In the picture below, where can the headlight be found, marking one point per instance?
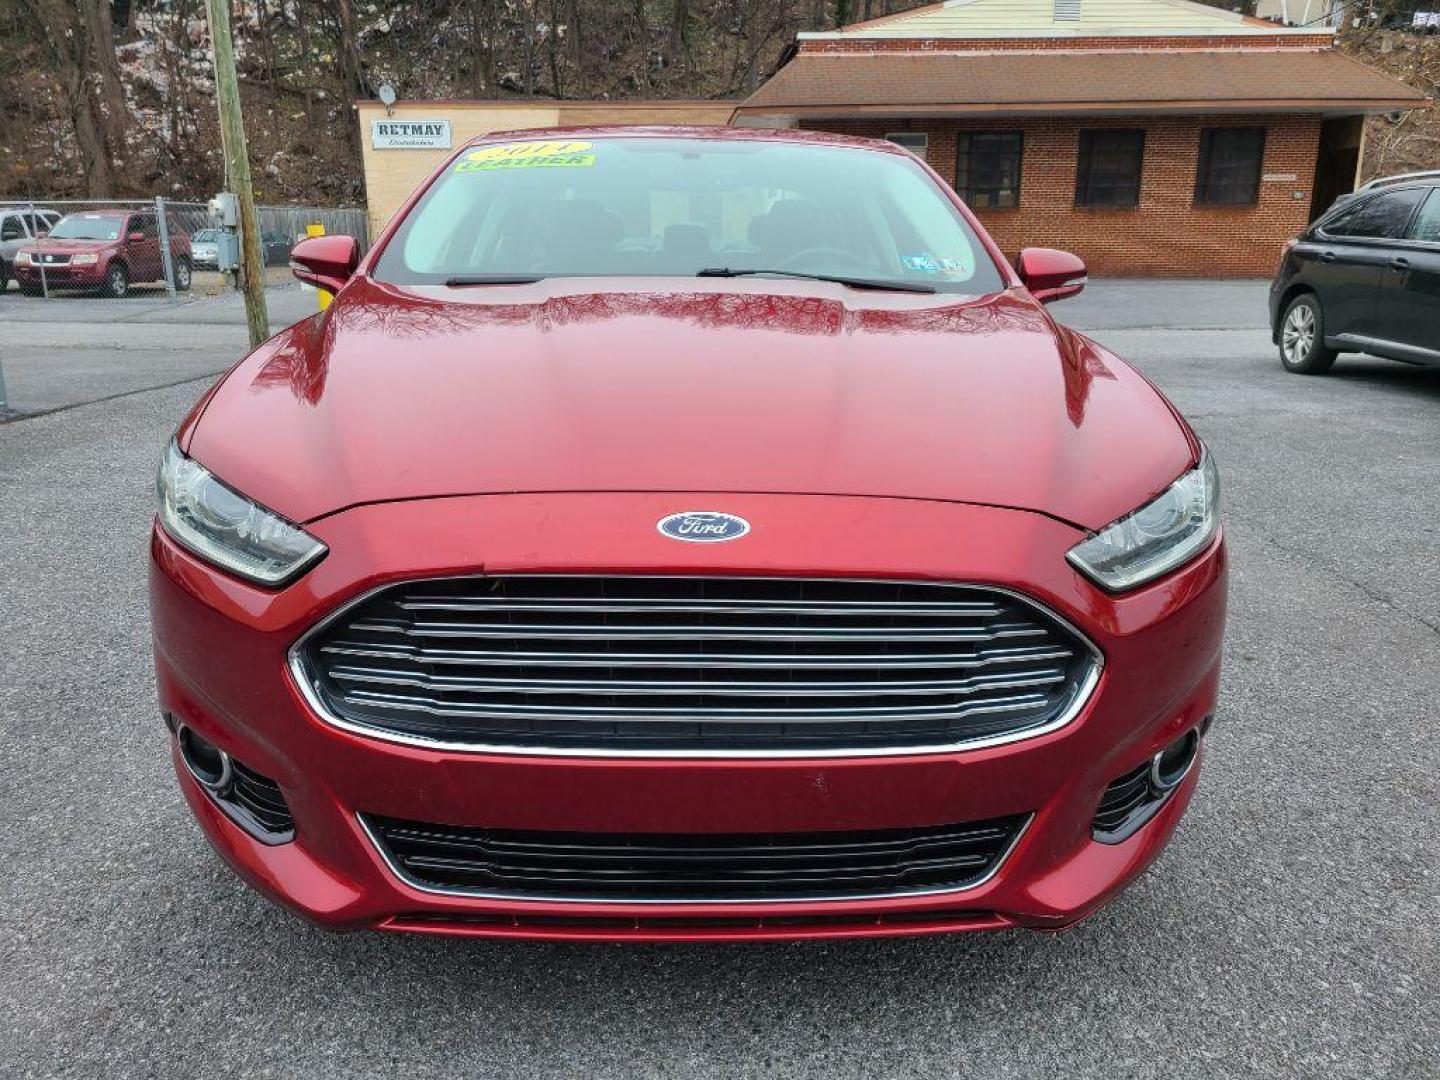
(22, 258)
(219, 524)
(1160, 536)
(84, 260)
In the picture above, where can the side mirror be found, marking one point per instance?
(325, 261)
(135, 237)
(1049, 274)
(40, 234)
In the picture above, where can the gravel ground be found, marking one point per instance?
(1289, 930)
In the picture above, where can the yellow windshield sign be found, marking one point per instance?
(553, 154)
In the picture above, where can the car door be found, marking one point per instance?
(151, 229)
(1409, 309)
(12, 235)
(142, 253)
(132, 247)
(39, 223)
(1348, 253)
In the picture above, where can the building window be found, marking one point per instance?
(1108, 173)
(987, 168)
(917, 142)
(1230, 163)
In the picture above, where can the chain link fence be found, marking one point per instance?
(58, 246)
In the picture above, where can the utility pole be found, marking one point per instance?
(237, 170)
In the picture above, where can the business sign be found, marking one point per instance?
(410, 134)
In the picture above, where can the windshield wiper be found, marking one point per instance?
(494, 279)
(835, 279)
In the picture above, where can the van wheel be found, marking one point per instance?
(1302, 338)
(4, 276)
(117, 281)
(182, 274)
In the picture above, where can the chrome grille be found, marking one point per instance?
(679, 664)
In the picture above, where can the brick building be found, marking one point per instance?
(1147, 136)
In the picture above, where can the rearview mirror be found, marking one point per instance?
(1050, 274)
(326, 262)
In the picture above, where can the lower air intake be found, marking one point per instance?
(664, 867)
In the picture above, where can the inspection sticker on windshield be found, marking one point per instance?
(554, 154)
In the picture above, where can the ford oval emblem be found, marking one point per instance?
(703, 526)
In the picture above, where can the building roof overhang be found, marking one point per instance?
(1321, 34)
(1049, 82)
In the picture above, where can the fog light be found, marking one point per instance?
(206, 762)
(1171, 765)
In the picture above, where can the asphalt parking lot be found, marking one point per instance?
(1290, 930)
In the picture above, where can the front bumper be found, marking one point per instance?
(62, 277)
(221, 650)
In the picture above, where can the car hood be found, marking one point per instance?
(69, 247)
(706, 387)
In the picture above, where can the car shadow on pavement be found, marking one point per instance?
(1386, 374)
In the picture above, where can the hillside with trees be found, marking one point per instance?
(115, 97)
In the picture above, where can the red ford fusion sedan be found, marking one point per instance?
(686, 534)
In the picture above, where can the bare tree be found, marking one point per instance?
(349, 48)
(577, 50)
(527, 40)
(642, 36)
(66, 42)
(680, 15)
(553, 48)
(482, 47)
(100, 34)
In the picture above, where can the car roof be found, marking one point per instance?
(1428, 177)
(708, 134)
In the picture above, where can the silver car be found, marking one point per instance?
(204, 249)
(18, 226)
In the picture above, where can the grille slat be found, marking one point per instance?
(572, 606)
(799, 714)
(598, 851)
(674, 664)
(1123, 800)
(725, 687)
(754, 661)
(563, 632)
(261, 798)
(734, 867)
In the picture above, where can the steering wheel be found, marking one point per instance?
(827, 256)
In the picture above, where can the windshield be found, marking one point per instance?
(87, 227)
(665, 207)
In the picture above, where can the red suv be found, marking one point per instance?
(105, 250)
(688, 533)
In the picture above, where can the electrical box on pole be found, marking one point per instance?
(225, 210)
